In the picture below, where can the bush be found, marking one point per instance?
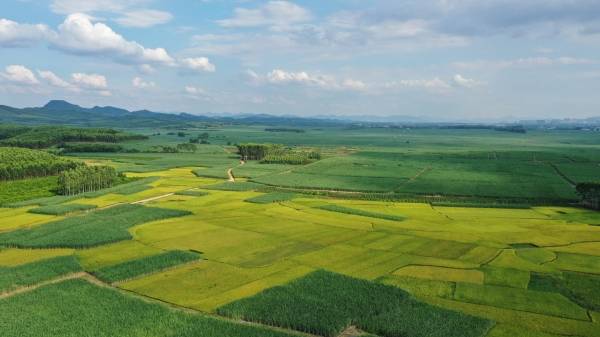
(145, 265)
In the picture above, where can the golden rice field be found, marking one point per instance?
(477, 261)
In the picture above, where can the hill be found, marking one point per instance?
(65, 113)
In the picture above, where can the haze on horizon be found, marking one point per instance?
(442, 59)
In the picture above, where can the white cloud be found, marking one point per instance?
(282, 77)
(78, 34)
(465, 82)
(90, 6)
(90, 81)
(13, 34)
(198, 64)
(144, 18)
(435, 85)
(273, 13)
(53, 79)
(141, 84)
(18, 74)
(525, 62)
(194, 90)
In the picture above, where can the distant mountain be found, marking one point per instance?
(63, 112)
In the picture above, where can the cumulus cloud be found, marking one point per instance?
(144, 18)
(53, 79)
(13, 34)
(465, 82)
(282, 77)
(78, 34)
(141, 84)
(92, 82)
(273, 13)
(201, 64)
(18, 74)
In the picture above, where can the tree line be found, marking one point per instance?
(47, 136)
(276, 154)
(87, 179)
(590, 194)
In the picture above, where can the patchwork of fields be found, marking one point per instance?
(196, 251)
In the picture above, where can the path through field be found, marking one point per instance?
(230, 172)
(152, 199)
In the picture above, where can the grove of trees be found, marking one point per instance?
(276, 154)
(20, 163)
(87, 179)
(590, 194)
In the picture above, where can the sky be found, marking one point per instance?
(435, 60)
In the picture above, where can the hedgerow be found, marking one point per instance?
(237, 186)
(355, 211)
(192, 193)
(36, 272)
(326, 303)
(92, 229)
(61, 209)
(271, 198)
(144, 265)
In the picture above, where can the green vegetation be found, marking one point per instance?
(355, 211)
(61, 209)
(590, 193)
(87, 179)
(77, 308)
(276, 154)
(237, 186)
(46, 136)
(326, 303)
(29, 274)
(90, 147)
(272, 197)
(144, 265)
(583, 289)
(16, 163)
(192, 193)
(92, 229)
(15, 191)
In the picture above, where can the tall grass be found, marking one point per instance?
(325, 303)
(36, 272)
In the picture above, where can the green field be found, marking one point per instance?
(395, 232)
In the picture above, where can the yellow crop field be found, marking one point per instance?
(13, 257)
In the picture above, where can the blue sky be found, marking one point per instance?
(438, 59)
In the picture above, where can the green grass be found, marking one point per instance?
(506, 277)
(26, 189)
(92, 229)
(272, 197)
(520, 299)
(29, 274)
(583, 289)
(77, 308)
(325, 303)
(192, 193)
(355, 211)
(61, 209)
(137, 185)
(144, 265)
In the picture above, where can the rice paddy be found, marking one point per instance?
(256, 250)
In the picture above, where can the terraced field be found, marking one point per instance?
(237, 252)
